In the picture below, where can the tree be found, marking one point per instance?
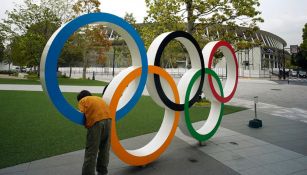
(18, 47)
(71, 54)
(91, 37)
(2, 49)
(303, 46)
(300, 59)
(28, 27)
(34, 46)
(7, 59)
(63, 9)
(86, 7)
(193, 13)
(130, 19)
(26, 49)
(223, 17)
(23, 16)
(36, 38)
(121, 50)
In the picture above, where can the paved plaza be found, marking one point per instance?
(278, 148)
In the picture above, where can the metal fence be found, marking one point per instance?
(106, 73)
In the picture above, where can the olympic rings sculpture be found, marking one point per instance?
(127, 87)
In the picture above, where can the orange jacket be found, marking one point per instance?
(95, 109)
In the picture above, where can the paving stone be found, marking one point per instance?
(241, 164)
(302, 161)
(303, 172)
(257, 171)
(265, 159)
(285, 167)
(225, 156)
(15, 169)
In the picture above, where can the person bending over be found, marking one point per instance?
(98, 124)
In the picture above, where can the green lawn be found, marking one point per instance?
(31, 128)
(62, 81)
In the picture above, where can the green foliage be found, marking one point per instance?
(300, 59)
(26, 49)
(304, 36)
(91, 43)
(7, 58)
(32, 76)
(71, 54)
(130, 19)
(90, 39)
(63, 9)
(18, 47)
(24, 16)
(7, 72)
(2, 50)
(206, 13)
(193, 16)
(28, 28)
(86, 7)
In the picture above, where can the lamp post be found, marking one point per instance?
(116, 44)
(284, 64)
(113, 63)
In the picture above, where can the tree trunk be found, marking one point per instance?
(70, 69)
(191, 20)
(113, 64)
(84, 72)
(84, 65)
(38, 70)
(190, 23)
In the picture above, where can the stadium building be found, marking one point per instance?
(260, 61)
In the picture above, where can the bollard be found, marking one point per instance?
(255, 123)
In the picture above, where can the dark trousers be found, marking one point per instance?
(97, 141)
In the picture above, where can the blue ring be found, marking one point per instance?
(55, 49)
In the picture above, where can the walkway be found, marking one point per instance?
(243, 151)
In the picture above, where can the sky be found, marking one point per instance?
(285, 18)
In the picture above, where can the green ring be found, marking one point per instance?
(192, 131)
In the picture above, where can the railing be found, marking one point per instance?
(106, 73)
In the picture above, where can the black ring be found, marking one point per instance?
(170, 104)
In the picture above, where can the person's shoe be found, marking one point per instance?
(101, 174)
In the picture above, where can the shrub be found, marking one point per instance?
(8, 72)
(32, 76)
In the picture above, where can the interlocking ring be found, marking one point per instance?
(126, 88)
(232, 68)
(55, 44)
(162, 139)
(154, 55)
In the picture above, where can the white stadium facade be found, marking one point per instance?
(261, 61)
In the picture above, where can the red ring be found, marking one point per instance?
(214, 49)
